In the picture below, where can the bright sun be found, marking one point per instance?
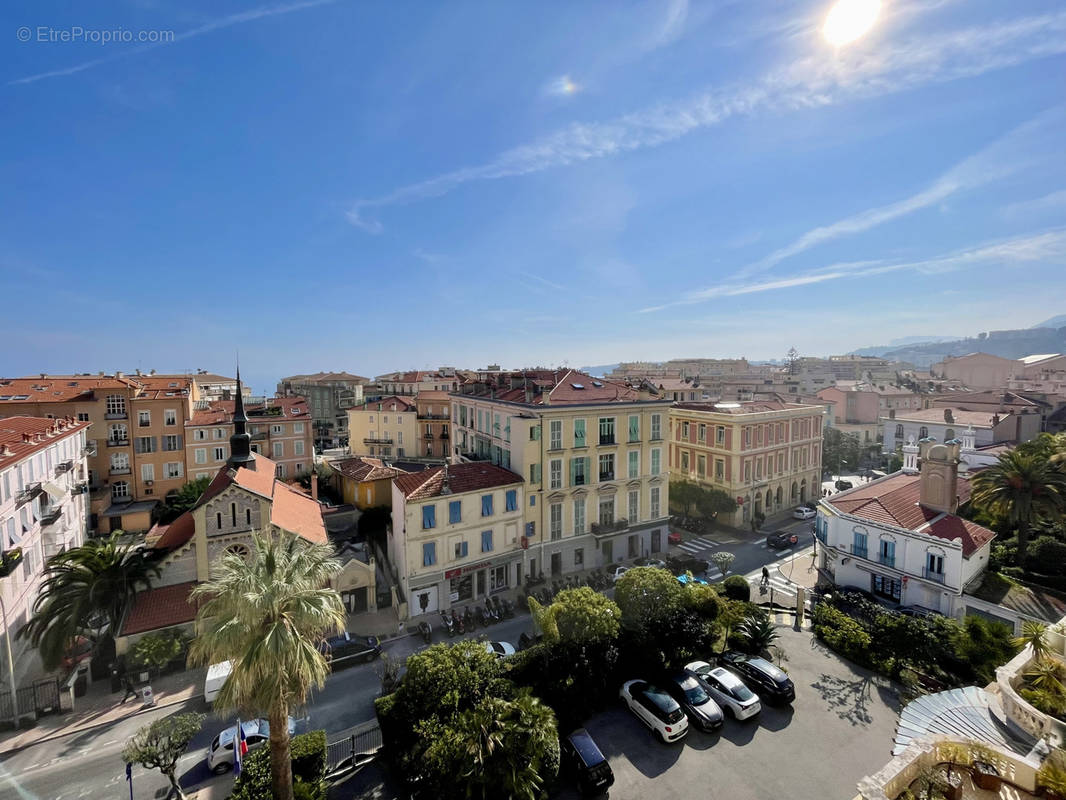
(850, 19)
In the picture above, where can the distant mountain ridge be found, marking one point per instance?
(1054, 322)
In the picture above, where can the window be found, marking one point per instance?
(555, 521)
(701, 465)
(512, 500)
(298, 427)
(170, 416)
(555, 473)
(199, 434)
(607, 430)
(634, 428)
(555, 434)
(200, 455)
(144, 419)
(858, 544)
(116, 405)
(461, 550)
(899, 431)
(220, 433)
(579, 433)
(534, 432)
(147, 472)
(486, 541)
(279, 470)
(579, 557)
(684, 430)
(455, 511)
(719, 435)
(220, 454)
(277, 430)
(83, 416)
(579, 515)
(656, 427)
(171, 443)
(534, 474)
(429, 552)
(701, 432)
(656, 461)
(116, 435)
(277, 449)
(486, 505)
(934, 565)
(532, 500)
(719, 470)
(429, 517)
(747, 438)
(579, 471)
(684, 460)
(298, 448)
(497, 578)
(120, 490)
(144, 444)
(607, 511)
(634, 506)
(634, 463)
(173, 469)
(949, 434)
(607, 467)
(887, 587)
(655, 509)
(923, 432)
(887, 554)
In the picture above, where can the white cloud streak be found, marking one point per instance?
(208, 27)
(811, 82)
(1044, 246)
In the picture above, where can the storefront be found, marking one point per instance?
(475, 582)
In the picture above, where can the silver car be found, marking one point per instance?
(727, 689)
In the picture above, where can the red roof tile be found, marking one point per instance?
(390, 403)
(366, 469)
(21, 437)
(470, 477)
(160, 607)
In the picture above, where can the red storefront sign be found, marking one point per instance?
(455, 573)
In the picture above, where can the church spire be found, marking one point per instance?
(240, 443)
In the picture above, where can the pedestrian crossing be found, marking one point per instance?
(699, 545)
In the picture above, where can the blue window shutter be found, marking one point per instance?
(429, 516)
(891, 550)
(429, 554)
(512, 499)
(486, 541)
(465, 551)
(486, 505)
(455, 511)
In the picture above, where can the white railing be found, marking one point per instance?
(1018, 710)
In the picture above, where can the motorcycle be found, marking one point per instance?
(490, 612)
(426, 630)
(449, 626)
(497, 606)
(457, 622)
(479, 614)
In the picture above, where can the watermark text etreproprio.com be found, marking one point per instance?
(47, 34)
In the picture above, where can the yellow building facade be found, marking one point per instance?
(385, 428)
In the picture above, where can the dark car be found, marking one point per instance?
(347, 648)
(811, 505)
(764, 678)
(701, 710)
(580, 754)
(842, 485)
(781, 539)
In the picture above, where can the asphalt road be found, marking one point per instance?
(88, 764)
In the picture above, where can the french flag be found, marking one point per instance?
(240, 750)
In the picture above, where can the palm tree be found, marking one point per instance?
(1022, 488)
(1033, 636)
(757, 632)
(85, 588)
(267, 615)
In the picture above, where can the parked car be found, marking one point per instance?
(500, 649)
(842, 485)
(727, 689)
(220, 751)
(656, 709)
(348, 647)
(767, 680)
(674, 537)
(813, 506)
(918, 611)
(618, 573)
(802, 512)
(656, 563)
(582, 756)
(781, 539)
(698, 706)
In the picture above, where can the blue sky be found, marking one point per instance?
(378, 186)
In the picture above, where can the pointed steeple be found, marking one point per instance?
(240, 443)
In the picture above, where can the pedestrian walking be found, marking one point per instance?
(131, 690)
(765, 576)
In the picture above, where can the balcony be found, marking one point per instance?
(118, 442)
(606, 476)
(64, 466)
(260, 436)
(434, 416)
(50, 515)
(888, 561)
(599, 528)
(860, 552)
(119, 471)
(374, 440)
(116, 415)
(607, 439)
(79, 488)
(89, 450)
(444, 434)
(427, 435)
(933, 575)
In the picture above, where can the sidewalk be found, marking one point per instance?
(99, 706)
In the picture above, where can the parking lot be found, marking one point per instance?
(838, 730)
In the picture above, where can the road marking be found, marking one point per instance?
(698, 544)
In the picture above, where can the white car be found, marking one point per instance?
(220, 751)
(656, 709)
(656, 563)
(618, 573)
(802, 512)
(727, 689)
(500, 649)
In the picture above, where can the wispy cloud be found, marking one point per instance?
(673, 24)
(1042, 246)
(368, 225)
(208, 27)
(563, 86)
(1038, 205)
(539, 281)
(1005, 155)
(811, 82)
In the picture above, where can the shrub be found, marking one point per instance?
(1046, 555)
(308, 769)
(984, 645)
(842, 633)
(736, 587)
(156, 650)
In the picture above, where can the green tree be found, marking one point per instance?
(177, 503)
(646, 595)
(266, 615)
(1033, 636)
(710, 502)
(95, 581)
(160, 745)
(683, 496)
(703, 599)
(722, 559)
(1022, 487)
(756, 632)
(585, 615)
(156, 650)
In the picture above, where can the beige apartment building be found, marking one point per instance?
(280, 428)
(136, 450)
(767, 454)
(434, 424)
(385, 428)
(592, 453)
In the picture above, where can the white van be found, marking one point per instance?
(216, 677)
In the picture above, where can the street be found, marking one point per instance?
(88, 764)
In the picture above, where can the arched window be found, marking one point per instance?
(247, 516)
(233, 514)
(923, 432)
(116, 406)
(899, 431)
(218, 520)
(949, 434)
(120, 490)
(238, 550)
(780, 495)
(120, 461)
(795, 491)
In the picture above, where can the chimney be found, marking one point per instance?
(529, 393)
(138, 370)
(445, 488)
(891, 413)
(314, 484)
(939, 477)
(119, 375)
(948, 416)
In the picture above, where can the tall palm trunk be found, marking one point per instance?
(280, 754)
(1023, 542)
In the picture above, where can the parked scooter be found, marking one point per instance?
(490, 612)
(508, 608)
(449, 626)
(457, 622)
(468, 619)
(426, 630)
(479, 615)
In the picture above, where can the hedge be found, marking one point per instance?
(736, 587)
(308, 770)
(842, 633)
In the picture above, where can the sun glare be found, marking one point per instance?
(850, 19)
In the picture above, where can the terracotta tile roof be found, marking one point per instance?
(979, 419)
(433, 394)
(471, 477)
(976, 401)
(390, 403)
(325, 377)
(296, 512)
(894, 501)
(365, 468)
(748, 407)
(21, 437)
(260, 480)
(560, 387)
(220, 412)
(173, 535)
(56, 389)
(160, 607)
